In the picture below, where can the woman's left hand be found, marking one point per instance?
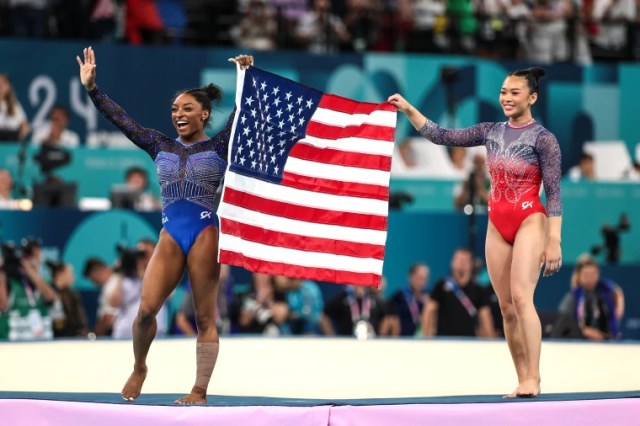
(552, 258)
(243, 61)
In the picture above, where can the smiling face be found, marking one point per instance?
(516, 98)
(188, 118)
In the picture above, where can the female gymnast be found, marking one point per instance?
(520, 238)
(190, 169)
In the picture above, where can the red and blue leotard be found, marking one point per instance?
(519, 161)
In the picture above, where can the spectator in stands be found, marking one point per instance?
(474, 191)
(362, 20)
(25, 298)
(28, 18)
(354, 310)
(407, 304)
(428, 17)
(105, 278)
(74, 321)
(593, 308)
(137, 179)
(6, 190)
(518, 13)
(55, 131)
(458, 306)
(613, 18)
(585, 170)
(258, 27)
(13, 121)
(143, 24)
(548, 31)
(305, 304)
(320, 31)
(103, 19)
(264, 310)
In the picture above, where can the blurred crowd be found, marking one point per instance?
(38, 301)
(543, 31)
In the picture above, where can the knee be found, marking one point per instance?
(205, 321)
(146, 314)
(521, 302)
(508, 311)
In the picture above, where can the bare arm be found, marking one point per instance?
(184, 325)
(618, 299)
(485, 323)
(4, 293)
(46, 291)
(325, 326)
(430, 318)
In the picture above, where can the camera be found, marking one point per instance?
(611, 236)
(128, 261)
(11, 257)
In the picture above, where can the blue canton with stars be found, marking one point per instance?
(273, 115)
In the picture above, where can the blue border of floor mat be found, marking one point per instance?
(249, 401)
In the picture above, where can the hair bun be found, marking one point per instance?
(213, 92)
(537, 72)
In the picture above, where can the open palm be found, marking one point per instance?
(88, 68)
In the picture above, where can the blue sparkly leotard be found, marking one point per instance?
(189, 174)
(519, 160)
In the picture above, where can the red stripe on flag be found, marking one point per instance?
(341, 158)
(303, 213)
(335, 187)
(300, 242)
(297, 271)
(349, 106)
(365, 131)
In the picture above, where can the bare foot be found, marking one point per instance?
(197, 396)
(132, 388)
(528, 388)
(511, 395)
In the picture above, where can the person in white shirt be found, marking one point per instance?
(55, 131)
(14, 126)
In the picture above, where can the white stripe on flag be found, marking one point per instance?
(341, 119)
(336, 172)
(304, 198)
(291, 226)
(303, 258)
(360, 145)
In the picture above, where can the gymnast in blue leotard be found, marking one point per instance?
(190, 169)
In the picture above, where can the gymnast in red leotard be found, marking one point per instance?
(522, 235)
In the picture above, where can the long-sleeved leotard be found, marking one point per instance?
(519, 160)
(189, 174)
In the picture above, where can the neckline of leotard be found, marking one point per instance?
(189, 144)
(531, 123)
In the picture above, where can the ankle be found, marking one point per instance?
(197, 390)
(140, 369)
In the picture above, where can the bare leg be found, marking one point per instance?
(204, 271)
(528, 252)
(499, 255)
(163, 274)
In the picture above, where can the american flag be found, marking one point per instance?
(307, 186)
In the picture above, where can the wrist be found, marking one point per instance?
(89, 87)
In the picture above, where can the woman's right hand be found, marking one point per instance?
(88, 68)
(399, 102)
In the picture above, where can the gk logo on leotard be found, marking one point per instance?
(527, 205)
(164, 219)
(205, 215)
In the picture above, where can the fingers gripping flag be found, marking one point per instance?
(307, 186)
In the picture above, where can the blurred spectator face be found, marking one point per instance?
(263, 286)
(5, 87)
(457, 156)
(5, 183)
(587, 167)
(137, 181)
(588, 276)
(99, 275)
(418, 279)
(59, 117)
(322, 6)
(462, 266)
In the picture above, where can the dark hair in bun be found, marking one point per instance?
(532, 75)
(206, 96)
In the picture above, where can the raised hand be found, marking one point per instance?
(399, 102)
(88, 68)
(242, 61)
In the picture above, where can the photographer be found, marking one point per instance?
(74, 321)
(475, 190)
(25, 298)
